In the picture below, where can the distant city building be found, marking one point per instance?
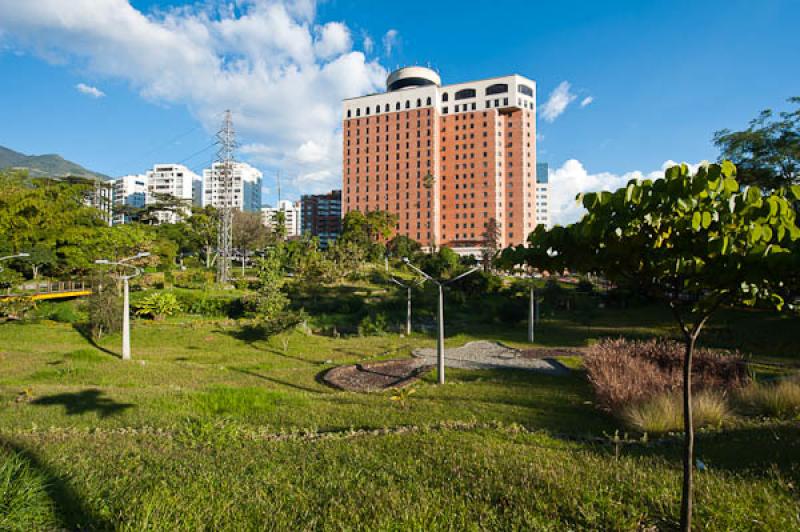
(321, 216)
(170, 182)
(447, 160)
(246, 187)
(100, 197)
(130, 191)
(197, 192)
(291, 213)
(542, 195)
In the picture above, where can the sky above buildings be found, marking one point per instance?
(623, 87)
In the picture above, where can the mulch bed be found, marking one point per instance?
(376, 376)
(549, 352)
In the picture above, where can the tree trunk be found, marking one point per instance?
(688, 430)
(35, 271)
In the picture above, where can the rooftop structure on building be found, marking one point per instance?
(448, 160)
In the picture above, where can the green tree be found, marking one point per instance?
(249, 233)
(697, 242)
(204, 224)
(279, 225)
(403, 246)
(767, 153)
(270, 301)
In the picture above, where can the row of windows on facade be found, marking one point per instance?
(510, 122)
(463, 94)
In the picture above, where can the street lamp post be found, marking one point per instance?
(408, 301)
(126, 311)
(440, 321)
(17, 256)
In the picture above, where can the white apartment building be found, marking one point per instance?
(246, 187)
(291, 213)
(543, 195)
(173, 180)
(128, 190)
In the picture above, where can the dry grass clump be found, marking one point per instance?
(780, 400)
(664, 413)
(625, 372)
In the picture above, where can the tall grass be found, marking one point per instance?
(24, 503)
(664, 413)
(779, 400)
(624, 372)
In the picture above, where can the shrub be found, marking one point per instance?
(375, 324)
(623, 372)
(158, 305)
(196, 279)
(16, 307)
(780, 400)
(105, 309)
(664, 413)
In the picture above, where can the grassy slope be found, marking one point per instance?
(205, 402)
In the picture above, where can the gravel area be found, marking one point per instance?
(376, 376)
(491, 355)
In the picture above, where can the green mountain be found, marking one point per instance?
(50, 165)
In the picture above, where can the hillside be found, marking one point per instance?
(44, 165)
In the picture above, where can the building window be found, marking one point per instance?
(428, 101)
(497, 88)
(386, 109)
(463, 94)
(445, 97)
(358, 112)
(408, 104)
(397, 106)
(348, 113)
(524, 89)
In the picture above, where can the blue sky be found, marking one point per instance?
(661, 77)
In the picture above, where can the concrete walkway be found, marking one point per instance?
(490, 355)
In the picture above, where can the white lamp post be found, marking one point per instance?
(126, 312)
(408, 301)
(440, 320)
(17, 256)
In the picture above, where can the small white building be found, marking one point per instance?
(291, 213)
(128, 190)
(246, 187)
(173, 180)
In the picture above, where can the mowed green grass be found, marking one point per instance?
(208, 429)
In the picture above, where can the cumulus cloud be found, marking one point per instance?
(572, 178)
(557, 102)
(586, 101)
(282, 74)
(390, 40)
(334, 39)
(88, 90)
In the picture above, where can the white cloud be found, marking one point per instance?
(368, 44)
(88, 90)
(390, 40)
(282, 75)
(557, 102)
(586, 101)
(573, 178)
(334, 39)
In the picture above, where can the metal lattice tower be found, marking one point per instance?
(226, 140)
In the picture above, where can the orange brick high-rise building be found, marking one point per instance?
(450, 161)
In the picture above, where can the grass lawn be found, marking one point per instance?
(210, 429)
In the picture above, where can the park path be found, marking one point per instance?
(483, 354)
